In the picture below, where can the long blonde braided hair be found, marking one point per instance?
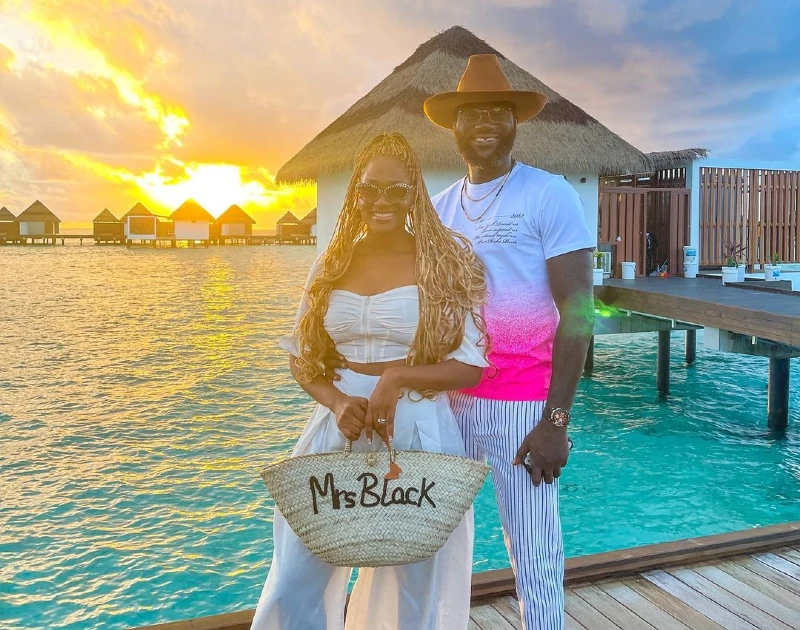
(451, 280)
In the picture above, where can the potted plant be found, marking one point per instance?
(773, 271)
(597, 270)
(733, 271)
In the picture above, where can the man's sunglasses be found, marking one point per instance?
(498, 114)
(394, 193)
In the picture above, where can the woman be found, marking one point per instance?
(396, 293)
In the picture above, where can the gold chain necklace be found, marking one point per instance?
(481, 215)
(487, 195)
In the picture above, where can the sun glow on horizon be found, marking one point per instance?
(213, 186)
(41, 41)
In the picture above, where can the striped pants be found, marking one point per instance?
(493, 430)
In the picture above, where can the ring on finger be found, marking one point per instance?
(381, 421)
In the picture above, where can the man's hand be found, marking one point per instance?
(333, 361)
(548, 447)
(350, 412)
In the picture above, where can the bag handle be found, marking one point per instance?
(348, 448)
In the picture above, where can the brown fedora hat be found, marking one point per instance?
(482, 82)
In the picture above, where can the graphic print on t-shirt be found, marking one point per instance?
(535, 216)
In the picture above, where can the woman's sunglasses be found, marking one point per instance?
(394, 193)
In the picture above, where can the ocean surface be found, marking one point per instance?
(141, 390)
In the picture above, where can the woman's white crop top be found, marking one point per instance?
(381, 327)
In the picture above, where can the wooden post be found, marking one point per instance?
(588, 364)
(663, 362)
(691, 346)
(778, 395)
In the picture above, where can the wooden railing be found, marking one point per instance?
(759, 209)
(627, 214)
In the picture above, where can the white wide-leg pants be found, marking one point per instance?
(304, 593)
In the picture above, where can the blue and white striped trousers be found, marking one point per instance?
(493, 430)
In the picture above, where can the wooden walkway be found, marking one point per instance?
(707, 302)
(748, 592)
(748, 580)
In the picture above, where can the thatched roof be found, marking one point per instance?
(106, 217)
(6, 214)
(288, 218)
(674, 159)
(190, 210)
(562, 138)
(138, 210)
(37, 211)
(235, 214)
(310, 218)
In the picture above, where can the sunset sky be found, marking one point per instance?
(107, 102)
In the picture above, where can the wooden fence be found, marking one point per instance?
(625, 217)
(759, 209)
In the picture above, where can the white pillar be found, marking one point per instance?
(693, 184)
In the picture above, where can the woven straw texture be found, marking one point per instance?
(344, 511)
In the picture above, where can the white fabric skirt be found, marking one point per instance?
(304, 593)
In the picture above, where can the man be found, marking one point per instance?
(528, 228)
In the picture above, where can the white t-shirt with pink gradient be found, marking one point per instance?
(536, 216)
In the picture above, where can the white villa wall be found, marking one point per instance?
(589, 192)
(191, 230)
(331, 190)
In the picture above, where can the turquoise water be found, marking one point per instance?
(141, 391)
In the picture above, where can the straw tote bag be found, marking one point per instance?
(363, 510)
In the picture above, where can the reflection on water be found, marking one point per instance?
(141, 390)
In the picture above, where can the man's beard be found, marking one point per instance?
(505, 143)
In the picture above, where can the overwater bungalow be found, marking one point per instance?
(233, 225)
(287, 227)
(37, 220)
(309, 225)
(9, 228)
(108, 228)
(192, 222)
(139, 224)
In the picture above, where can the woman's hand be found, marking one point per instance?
(382, 406)
(333, 361)
(350, 412)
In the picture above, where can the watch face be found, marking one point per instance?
(560, 417)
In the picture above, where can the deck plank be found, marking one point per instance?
(642, 607)
(571, 624)
(488, 618)
(762, 584)
(787, 553)
(670, 604)
(779, 564)
(752, 596)
(612, 609)
(509, 608)
(728, 600)
(769, 573)
(701, 603)
(585, 613)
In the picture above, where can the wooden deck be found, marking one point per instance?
(706, 302)
(747, 580)
(748, 592)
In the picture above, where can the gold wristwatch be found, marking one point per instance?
(559, 416)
